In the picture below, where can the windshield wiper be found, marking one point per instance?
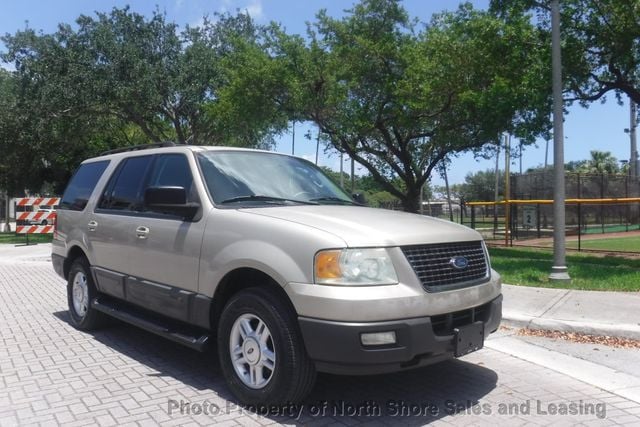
(334, 199)
(259, 198)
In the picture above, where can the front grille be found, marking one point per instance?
(432, 264)
(444, 324)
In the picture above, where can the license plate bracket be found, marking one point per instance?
(468, 338)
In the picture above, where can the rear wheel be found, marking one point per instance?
(80, 292)
(261, 351)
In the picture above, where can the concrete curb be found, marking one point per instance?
(600, 329)
(603, 377)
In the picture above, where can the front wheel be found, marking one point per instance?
(261, 351)
(80, 292)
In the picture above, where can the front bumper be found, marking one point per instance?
(336, 347)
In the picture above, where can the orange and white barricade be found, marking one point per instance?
(43, 220)
(34, 229)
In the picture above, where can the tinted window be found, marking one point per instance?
(171, 170)
(124, 192)
(81, 185)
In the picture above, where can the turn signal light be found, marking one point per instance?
(327, 265)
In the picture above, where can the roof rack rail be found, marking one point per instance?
(139, 147)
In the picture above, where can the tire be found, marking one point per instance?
(282, 371)
(82, 315)
(44, 222)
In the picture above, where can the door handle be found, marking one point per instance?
(92, 225)
(142, 232)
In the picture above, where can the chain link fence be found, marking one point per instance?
(598, 207)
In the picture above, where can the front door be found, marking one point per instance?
(149, 258)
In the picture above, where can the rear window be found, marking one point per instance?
(82, 184)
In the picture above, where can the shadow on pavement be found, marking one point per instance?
(413, 397)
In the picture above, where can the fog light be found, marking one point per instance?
(378, 338)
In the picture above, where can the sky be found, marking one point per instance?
(600, 127)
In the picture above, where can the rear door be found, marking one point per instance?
(112, 224)
(72, 213)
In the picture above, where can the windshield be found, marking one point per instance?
(237, 177)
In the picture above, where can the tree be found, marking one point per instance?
(248, 108)
(142, 71)
(399, 100)
(600, 44)
(601, 162)
(480, 186)
(373, 192)
(8, 130)
(38, 147)
(118, 78)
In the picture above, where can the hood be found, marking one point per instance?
(360, 226)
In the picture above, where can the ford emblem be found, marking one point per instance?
(459, 262)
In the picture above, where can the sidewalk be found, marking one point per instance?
(588, 312)
(10, 253)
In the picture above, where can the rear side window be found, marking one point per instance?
(124, 191)
(82, 184)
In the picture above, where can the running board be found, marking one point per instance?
(166, 328)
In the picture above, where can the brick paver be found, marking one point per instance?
(52, 374)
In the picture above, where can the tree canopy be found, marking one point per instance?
(397, 96)
(399, 99)
(480, 186)
(119, 78)
(601, 44)
(143, 71)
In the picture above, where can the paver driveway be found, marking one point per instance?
(51, 373)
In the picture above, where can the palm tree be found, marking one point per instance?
(601, 162)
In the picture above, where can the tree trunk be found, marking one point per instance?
(411, 201)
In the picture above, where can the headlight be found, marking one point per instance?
(354, 267)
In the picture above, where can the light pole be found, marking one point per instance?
(546, 154)
(353, 176)
(293, 138)
(520, 157)
(497, 190)
(7, 224)
(559, 270)
(633, 166)
(341, 170)
(507, 190)
(446, 185)
(318, 147)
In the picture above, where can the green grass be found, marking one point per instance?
(628, 244)
(529, 267)
(597, 229)
(18, 239)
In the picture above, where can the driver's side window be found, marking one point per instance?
(172, 170)
(124, 190)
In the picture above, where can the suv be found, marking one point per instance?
(265, 255)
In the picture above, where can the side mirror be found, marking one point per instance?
(359, 198)
(171, 200)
